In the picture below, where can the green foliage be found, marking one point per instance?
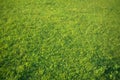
(59, 40)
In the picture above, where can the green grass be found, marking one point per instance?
(59, 39)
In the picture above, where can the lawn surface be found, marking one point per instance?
(59, 39)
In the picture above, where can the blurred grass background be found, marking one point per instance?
(59, 39)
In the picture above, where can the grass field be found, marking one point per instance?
(59, 39)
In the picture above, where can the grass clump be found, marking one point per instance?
(59, 40)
